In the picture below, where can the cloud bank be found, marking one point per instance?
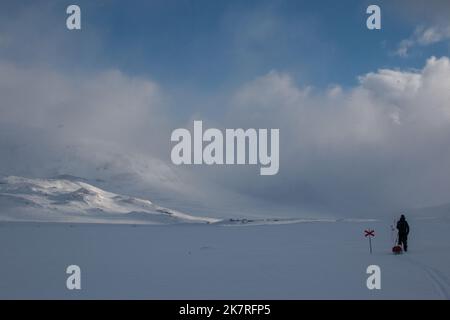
(377, 147)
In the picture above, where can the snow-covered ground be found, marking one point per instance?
(189, 261)
(70, 199)
(128, 247)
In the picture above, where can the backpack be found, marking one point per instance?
(402, 226)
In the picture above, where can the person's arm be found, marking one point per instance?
(407, 228)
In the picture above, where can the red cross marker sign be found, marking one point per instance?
(369, 233)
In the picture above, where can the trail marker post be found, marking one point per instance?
(369, 234)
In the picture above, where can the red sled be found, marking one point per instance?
(397, 250)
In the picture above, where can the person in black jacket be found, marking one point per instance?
(403, 231)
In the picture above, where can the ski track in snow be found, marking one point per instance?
(439, 280)
(40, 201)
(192, 261)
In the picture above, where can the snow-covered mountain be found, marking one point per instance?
(69, 199)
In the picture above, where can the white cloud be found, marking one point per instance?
(107, 105)
(381, 144)
(423, 36)
(99, 126)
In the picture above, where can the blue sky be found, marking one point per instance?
(213, 45)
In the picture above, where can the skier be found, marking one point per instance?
(403, 231)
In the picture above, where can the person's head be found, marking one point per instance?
(402, 217)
